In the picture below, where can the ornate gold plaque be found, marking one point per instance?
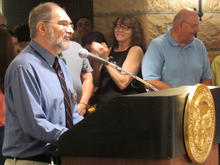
(199, 123)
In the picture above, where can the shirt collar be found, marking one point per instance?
(47, 56)
(173, 42)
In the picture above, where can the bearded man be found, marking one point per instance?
(40, 98)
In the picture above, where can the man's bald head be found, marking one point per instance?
(185, 26)
(183, 14)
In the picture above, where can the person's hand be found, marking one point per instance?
(100, 49)
(81, 109)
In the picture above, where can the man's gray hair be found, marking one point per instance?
(42, 12)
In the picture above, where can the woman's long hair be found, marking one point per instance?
(7, 54)
(137, 37)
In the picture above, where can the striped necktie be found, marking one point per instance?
(69, 118)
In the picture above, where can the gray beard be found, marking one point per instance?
(58, 45)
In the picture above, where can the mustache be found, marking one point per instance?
(67, 36)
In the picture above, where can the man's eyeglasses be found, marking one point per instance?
(123, 27)
(64, 24)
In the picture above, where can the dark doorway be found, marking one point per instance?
(16, 12)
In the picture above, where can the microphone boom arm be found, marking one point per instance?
(148, 85)
(85, 53)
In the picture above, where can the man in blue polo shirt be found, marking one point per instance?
(177, 58)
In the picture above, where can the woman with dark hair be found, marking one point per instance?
(127, 52)
(7, 54)
(125, 23)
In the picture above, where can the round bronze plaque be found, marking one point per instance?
(199, 123)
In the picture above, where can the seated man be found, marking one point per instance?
(177, 58)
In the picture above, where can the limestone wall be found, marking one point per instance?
(156, 17)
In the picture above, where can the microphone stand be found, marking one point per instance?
(148, 85)
(200, 13)
(195, 35)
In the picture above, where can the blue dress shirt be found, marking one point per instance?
(169, 62)
(35, 111)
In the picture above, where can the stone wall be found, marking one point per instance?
(156, 17)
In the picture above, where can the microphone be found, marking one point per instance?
(83, 53)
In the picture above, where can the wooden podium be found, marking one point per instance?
(145, 129)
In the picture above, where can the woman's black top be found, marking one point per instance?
(108, 89)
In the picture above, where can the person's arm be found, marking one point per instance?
(214, 70)
(96, 72)
(206, 77)
(132, 64)
(101, 50)
(160, 85)
(206, 81)
(152, 65)
(87, 89)
(2, 109)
